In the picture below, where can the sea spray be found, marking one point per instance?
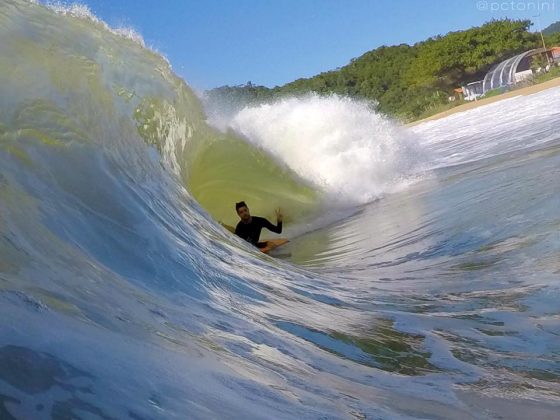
(343, 146)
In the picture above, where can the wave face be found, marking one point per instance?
(121, 297)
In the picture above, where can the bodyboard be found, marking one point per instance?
(273, 244)
(228, 227)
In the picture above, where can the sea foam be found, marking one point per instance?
(339, 144)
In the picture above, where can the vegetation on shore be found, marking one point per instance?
(552, 29)
(407, 82)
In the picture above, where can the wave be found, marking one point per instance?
(340, 145)
(121, 297)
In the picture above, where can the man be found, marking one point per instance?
(249, 228)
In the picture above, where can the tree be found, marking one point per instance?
(406, 80)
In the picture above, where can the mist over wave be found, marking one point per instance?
(82, 11)
(342, 145)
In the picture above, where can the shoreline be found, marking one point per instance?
(529, 90)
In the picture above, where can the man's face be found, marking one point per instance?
(243, 213)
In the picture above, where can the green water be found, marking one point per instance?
(220, 169)
(228, 170)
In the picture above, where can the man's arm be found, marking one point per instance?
(271, 227)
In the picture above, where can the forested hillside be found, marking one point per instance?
(407, 81)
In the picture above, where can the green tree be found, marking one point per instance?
(408, 81)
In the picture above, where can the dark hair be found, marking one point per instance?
(239, 205)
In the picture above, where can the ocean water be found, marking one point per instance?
(422, 279)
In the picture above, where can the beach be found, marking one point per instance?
(529, 90)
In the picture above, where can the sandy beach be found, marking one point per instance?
(475, 104)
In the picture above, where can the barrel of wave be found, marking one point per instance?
(220, 169)
(227, 169)
(110, 91)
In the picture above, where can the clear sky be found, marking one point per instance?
(211, 43)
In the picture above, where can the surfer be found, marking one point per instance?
(249, 228)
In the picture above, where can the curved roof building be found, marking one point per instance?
(503, 74)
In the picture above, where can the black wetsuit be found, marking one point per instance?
(252, 231)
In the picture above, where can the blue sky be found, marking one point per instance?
(211, 43)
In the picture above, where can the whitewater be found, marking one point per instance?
(422, 279)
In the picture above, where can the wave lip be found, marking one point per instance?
(339, 144)
(82, 11)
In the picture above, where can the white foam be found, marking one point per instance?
(82, 11)
(78, 10)
(339, 144)
(491, 130)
